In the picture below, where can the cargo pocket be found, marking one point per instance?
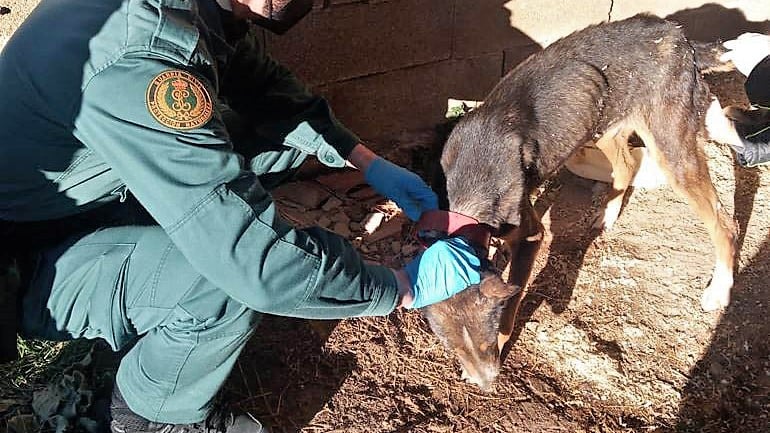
(80, 291)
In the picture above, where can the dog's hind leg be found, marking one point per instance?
(614, 146)
(671, 140)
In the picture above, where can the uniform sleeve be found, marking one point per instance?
(280, 107)
(758, 84)
(215, 212)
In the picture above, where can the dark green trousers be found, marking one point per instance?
(127, 282)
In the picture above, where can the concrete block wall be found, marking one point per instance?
(389, 66)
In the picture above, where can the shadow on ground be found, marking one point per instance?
(729, 388)
(568, 209)
(284, 377)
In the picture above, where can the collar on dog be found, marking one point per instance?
(438, 224)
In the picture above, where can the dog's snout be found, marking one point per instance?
(483, 378)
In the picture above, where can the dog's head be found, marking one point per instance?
(482, 167)
(468, 323)
(481, 164)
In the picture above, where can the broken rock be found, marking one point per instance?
(331, 204)
(372, 222)
(392, 227)
(305, 194)
(341, 228)
(342, 182)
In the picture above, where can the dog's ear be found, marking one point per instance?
(492, 286)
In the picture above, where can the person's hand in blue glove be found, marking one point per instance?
(404, 187)
(396, 183)
(447, 267)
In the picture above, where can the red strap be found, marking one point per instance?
(444, 221)
(455, 224)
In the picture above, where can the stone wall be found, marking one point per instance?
(389, 66)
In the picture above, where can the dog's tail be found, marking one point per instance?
(707, 56)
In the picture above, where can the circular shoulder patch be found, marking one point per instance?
(178, 100)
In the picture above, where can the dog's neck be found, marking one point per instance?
(483, 161)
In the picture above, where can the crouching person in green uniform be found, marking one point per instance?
(138, 140)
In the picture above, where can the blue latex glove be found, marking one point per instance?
(408, 190)
(446, 268)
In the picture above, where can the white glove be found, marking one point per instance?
(746, 51)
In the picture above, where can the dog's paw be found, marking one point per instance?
(714, 299)
(604, 221)
(717, 294)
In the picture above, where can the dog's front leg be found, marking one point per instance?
(524, 244)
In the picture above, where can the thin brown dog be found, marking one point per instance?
(602, 84)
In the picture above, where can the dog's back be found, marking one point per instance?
(570, 94)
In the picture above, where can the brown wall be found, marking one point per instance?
(389, 66)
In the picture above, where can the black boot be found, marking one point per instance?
(219, 421)
(755, 151)
(753, 126)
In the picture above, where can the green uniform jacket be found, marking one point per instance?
(100, 96)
